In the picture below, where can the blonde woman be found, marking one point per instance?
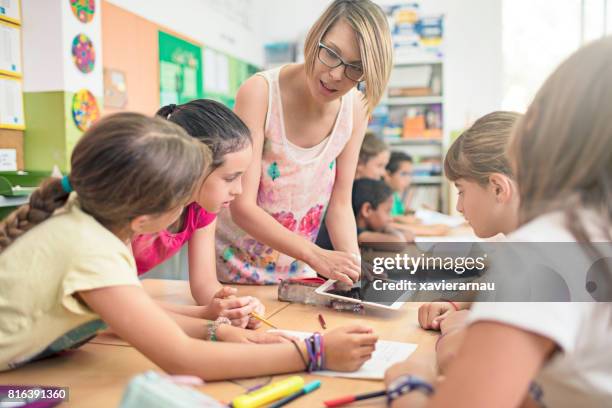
(307, 122)
(561, 156)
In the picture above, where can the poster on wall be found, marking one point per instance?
(10, 11)
(11, 103)
(180, 69)
(83, 53)
(84, 10)
(85, 109)
(10, 49)
(115, 88)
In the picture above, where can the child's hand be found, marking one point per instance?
(432, 314)
(232, 334)
(260, 309)
(347, 348)
(454, 321)
(237, 309)
(341, 266)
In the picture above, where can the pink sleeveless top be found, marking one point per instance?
(152, 249)
(293, 189)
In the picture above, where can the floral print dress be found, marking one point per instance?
(293, 189)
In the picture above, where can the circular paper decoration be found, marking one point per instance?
(83, 53)
(85, 109)
(83, 9)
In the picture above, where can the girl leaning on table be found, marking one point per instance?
(66, 269)
(550, 354)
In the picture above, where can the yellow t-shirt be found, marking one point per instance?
(41, 273)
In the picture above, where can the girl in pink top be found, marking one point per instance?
(230, 142)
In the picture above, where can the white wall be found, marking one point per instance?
(231, 26)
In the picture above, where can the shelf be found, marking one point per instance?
(407, 61)
(421, 180)
(412, 100)
(413, 141)
(13, 201)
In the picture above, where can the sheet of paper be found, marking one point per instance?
(429, 217)
(386, 354)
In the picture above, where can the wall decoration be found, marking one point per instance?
(83, 53)
(180, 69)
(115, 88)
(11, 103)
(84, 10)
(10, 49)
(85, 109)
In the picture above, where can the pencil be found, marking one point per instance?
(352, 398)
(262, 319)
(322, 321)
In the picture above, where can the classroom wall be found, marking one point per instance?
(130, 45)
(232, 26)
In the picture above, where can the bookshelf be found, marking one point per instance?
(410, 115)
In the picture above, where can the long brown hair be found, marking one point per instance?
(562, 148)
(482, 149)
(124, 166)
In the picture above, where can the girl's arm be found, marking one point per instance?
(202, 268)
(251, 106)
(340, 220)
(135, 317)
(206, 289)
(484, 373)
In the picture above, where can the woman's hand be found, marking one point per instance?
(347, 348)
(341, 266)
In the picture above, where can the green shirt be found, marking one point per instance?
(398, 205)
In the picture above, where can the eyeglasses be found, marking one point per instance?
(331, 59)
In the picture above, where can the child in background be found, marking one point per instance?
(373, 157)
(561, 156)
(371, 202)
(230, 142)
(398, 176)
(477, 163)
(65, 263)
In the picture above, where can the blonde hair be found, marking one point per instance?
(370, 24)
(481, 150)
(371, 147)
(562, 148)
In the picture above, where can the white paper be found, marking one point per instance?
(429, 217)
(386, 354)
(8, 160)
(10, 49)
(11, 102)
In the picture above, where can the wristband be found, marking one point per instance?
(213, 326)
(405, 384)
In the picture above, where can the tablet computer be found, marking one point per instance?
(359, 292)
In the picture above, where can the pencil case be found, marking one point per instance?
(153, 390)
(302, 290)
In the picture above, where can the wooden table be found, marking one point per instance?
(98, 372)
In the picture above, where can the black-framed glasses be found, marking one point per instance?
(331, 59)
